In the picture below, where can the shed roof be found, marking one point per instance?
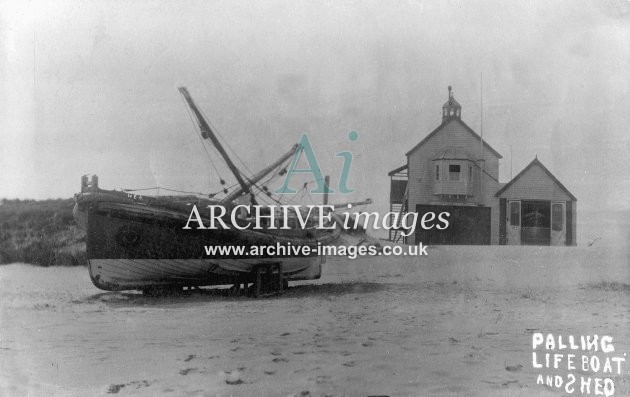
(397, 170)
(549, 174)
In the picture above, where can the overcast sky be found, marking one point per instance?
(91, 87)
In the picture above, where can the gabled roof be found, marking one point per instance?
(466, 127)
(549, 174)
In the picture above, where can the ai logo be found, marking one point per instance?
(315, 170)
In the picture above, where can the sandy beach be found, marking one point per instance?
(456, 322)
(160, 141)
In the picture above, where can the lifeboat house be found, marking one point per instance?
(453, 170)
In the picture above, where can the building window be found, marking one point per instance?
(515, 213)
(437, 172)
(470, 173)
(557, 216)
(453, 172)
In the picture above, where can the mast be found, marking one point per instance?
(261, 174)
(206, 132)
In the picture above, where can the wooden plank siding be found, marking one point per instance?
(535, 184)
(453, 134)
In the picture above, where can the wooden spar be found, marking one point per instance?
(261, 174)
(206, 132)
(353, 203)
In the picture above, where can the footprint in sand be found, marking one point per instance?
(280, 360)
(349, 364)
(514, 368)
(187, 371)
(113, 388)
(507, 382)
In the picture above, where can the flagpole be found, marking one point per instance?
(481, 145)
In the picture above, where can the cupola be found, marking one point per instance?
(451, 108)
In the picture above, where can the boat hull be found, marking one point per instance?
(129, 274)
(135, 246)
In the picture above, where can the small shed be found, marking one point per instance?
(536, 209)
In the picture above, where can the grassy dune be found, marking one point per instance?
(42, 233)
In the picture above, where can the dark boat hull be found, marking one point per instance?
(131, 245)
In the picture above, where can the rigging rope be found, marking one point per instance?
(266, 194)
(225, 142)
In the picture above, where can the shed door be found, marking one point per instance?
(558, 223)
(536, 222)
(513, 223)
